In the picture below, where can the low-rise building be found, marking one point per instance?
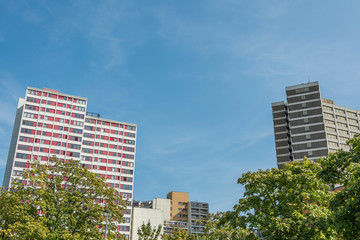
(157, 211)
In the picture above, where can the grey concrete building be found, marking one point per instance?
(197, 214)
(307, 125)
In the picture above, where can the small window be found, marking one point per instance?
(308, 145)
(307, 128)
(308, 136)
(305, 112)
(303, 105)
(306, 120)
(310, 153)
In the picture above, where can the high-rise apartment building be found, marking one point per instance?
(308, 125)
(51, 123)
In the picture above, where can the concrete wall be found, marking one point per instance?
(159, 213)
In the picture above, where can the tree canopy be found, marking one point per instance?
(59, 200)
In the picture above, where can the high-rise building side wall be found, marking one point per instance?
(13, 143)
(282, 133)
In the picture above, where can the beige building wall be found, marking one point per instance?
(157, 215)
(178, 210)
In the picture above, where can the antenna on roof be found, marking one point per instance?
(308, 79)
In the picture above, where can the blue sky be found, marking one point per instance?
(197, 77)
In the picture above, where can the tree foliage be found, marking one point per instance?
(283, 203)
(297, 202)
(146, 232)
(343, 169)
(225, 226)
(60, 200)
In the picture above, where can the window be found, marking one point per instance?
(23, 156)
(327, 108)
(31, 107)
(29, 115)
(354, 127)
(127, 187)
(307, 128)
(340, 118)
(328, 115)
(305, 112)
(329, 122)
(330, 129)
(25, 139)
(308, 145)
(353, 121)
(21, 164)
(24, 147)
(343, 132)
(127, 171)
(344, 146)
(74, 130)
(29, 123)
(330, 136)
(339, 111)
(28, 131)
(352, 114)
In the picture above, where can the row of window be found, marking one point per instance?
(51, 110)
(104, 130)
(47, 102)
(106, 145)
(49, 126)
(106, 123)
(110, 161)
(127, 141)
(52, 95)
(47, 150)
(44, 141)
(109, 153)
(71, 154)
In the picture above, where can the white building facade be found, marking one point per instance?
(51, 123)
(157, 211)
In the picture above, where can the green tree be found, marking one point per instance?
(146, 232)
(225, 226)
(289, 203)
(60, 200)
(343, 169)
